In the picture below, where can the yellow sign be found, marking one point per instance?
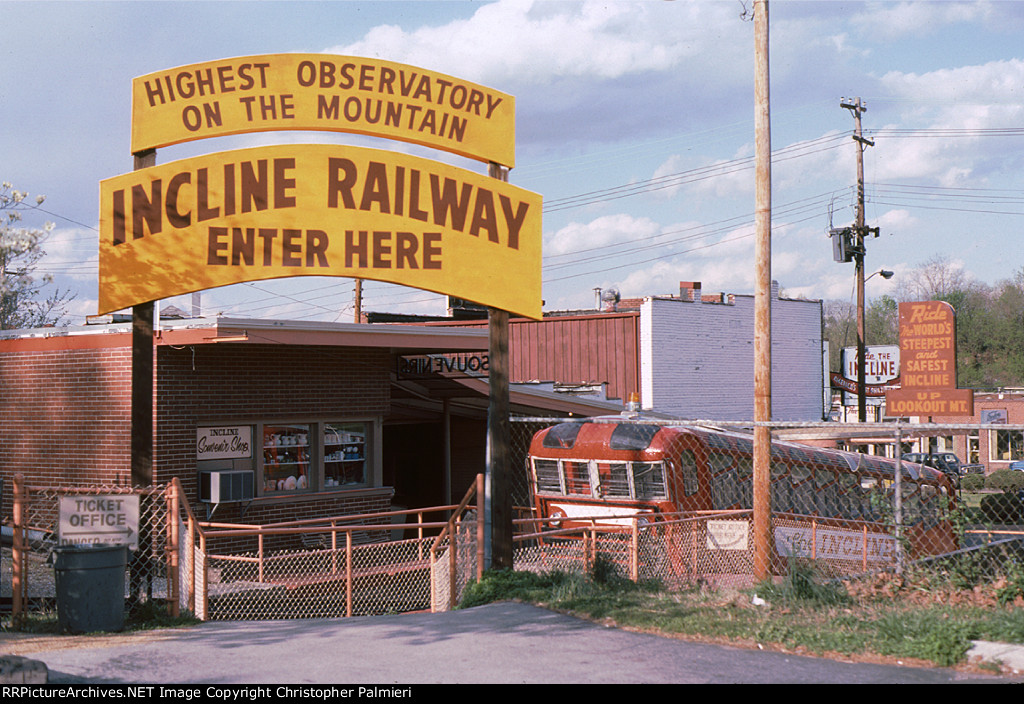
(322, 92)
(318, 210)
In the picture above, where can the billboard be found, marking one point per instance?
(928, 352)
(318, 210)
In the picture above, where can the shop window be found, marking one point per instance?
(1006, 445)
(287, 458)
(315, 456)
(345, 454)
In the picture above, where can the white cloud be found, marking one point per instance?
(890, 21)
(539, 42)
(582, 237)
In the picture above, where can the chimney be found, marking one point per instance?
(689, 291)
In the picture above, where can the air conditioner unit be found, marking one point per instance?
(224, 485)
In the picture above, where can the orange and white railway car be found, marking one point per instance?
(609, 472)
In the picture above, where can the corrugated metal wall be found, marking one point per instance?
(579, 349)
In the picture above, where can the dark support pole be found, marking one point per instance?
(142, 375)
(498, 485)
(142, 423)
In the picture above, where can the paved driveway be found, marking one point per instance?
(497, 643)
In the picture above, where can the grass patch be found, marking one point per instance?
(800, 613)
(146, 616)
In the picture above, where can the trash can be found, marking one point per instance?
(90, 587)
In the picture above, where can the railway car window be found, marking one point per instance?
(745, 472)
(614, 478)
(577, 477)
(850, 500)
(911, 502)
(725, 485)
(803, 489)
(930, 510)
(546, 475)
(633, 436)
(782, 495)
(562, 435)
(688, 471)
(649, 480)
(826, 503)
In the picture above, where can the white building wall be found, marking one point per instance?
(697, 359)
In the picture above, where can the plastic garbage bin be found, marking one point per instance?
(90, 587)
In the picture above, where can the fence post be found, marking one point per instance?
(205, 596)
(348, 572)
(19, 574)
(634, 552)
(191, 562)
(259, 556)
(480, 534)
(453, 546)
(173, 584)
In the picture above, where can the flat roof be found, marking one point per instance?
(221, 330)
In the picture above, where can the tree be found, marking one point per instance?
(22, 303)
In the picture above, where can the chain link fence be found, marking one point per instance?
(684, 514)
(29, 578)
(673, 507)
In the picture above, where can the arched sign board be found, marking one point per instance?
(322, 92)
(318, 210)
(325, 210)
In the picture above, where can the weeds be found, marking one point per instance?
(800, 612)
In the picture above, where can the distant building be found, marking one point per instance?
(689, 355)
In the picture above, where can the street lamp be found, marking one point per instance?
(862, 411)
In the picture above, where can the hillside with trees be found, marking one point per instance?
(989, 322)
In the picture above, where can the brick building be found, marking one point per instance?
(317, 415)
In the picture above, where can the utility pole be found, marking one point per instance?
(359, 302)
(859, 230)
(762, 298)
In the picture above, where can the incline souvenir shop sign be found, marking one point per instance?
(315, 209)
(324, 93)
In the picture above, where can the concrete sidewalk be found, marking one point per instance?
(502, 643)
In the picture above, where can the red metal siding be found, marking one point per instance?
(599, 348)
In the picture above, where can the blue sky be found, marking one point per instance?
(634, 122)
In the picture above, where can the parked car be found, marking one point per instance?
(946, 462)
(1018, 465)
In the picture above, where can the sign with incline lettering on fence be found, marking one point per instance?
(318, 210)
(322, 92)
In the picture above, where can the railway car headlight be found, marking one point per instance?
(556, 517)
(643, 521)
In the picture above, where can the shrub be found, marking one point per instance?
(1005, 479)
(1005, 508)
(972, 482)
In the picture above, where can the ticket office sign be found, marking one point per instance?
(322, 92)
(318, 210)
(112, 519)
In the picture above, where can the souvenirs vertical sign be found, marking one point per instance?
(928, 361)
